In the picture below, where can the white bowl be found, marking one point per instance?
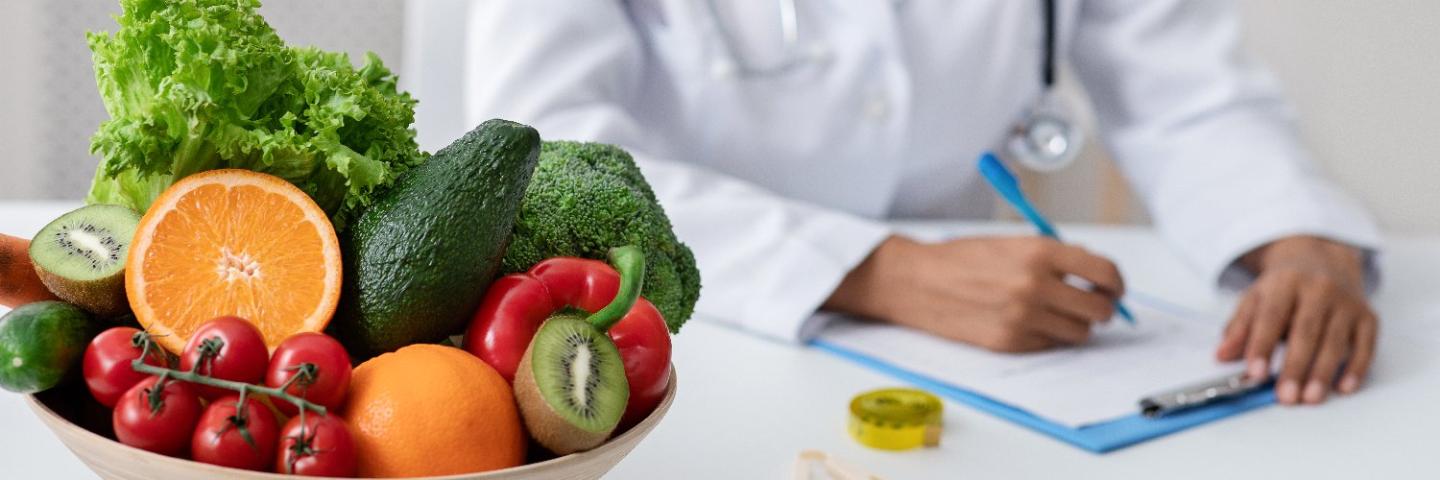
(113, 460)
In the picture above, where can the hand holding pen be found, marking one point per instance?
(1008, 294)
(1005, 294)
(1008, 187)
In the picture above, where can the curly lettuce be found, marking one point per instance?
(196, 85)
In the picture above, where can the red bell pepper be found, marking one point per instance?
(517, 304)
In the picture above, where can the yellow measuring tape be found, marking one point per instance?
(896, 419)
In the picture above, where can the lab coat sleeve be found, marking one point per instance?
(569, 69)
(1203, 134)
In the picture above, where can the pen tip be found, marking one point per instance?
(1124, 313)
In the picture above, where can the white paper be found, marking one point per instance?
(1077, 386)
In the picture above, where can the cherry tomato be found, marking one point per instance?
(160, 420)
(107, 363)
(236, 437)
(234, 350)
(321, 446)
(322, 365)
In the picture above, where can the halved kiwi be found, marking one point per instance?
(81, 257)
(571, 386)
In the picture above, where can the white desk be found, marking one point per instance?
(746, 405)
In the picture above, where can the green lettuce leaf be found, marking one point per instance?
(196, 85)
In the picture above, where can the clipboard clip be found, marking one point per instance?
(1200, 394)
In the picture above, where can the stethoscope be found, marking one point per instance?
(1044, 139)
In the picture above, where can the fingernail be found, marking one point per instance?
(1287, 391)
(1314, 392)
(1256, 369)
(1350, 384)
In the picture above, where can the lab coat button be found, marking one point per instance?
(877, 109)
(820, 53)
(722, 69)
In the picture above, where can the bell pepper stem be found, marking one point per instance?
(629, 261)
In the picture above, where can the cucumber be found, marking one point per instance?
(419, 260)
(41, 344)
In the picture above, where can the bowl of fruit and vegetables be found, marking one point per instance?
(179, 423)
(270, 278)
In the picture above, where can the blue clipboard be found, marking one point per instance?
(1098, 438)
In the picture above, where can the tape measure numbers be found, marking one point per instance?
(896, 419)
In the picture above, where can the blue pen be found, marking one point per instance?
(1008, 187)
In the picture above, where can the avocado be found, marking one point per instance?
(419, 260)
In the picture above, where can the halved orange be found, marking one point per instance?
(233, 242)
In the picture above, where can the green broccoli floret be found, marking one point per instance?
(586, 198)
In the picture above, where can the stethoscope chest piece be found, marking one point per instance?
(1046, 139)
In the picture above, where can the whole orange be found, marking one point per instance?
(429, 410)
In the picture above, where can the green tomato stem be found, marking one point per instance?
(240, 387)
(209, 349)
(629, 261)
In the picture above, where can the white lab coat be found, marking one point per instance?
(782, 184)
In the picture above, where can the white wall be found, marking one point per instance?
(17, 136)
(1365, 80)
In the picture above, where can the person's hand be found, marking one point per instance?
(1309, 291)
(1003, 294)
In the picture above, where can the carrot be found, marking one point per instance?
(19, 284)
